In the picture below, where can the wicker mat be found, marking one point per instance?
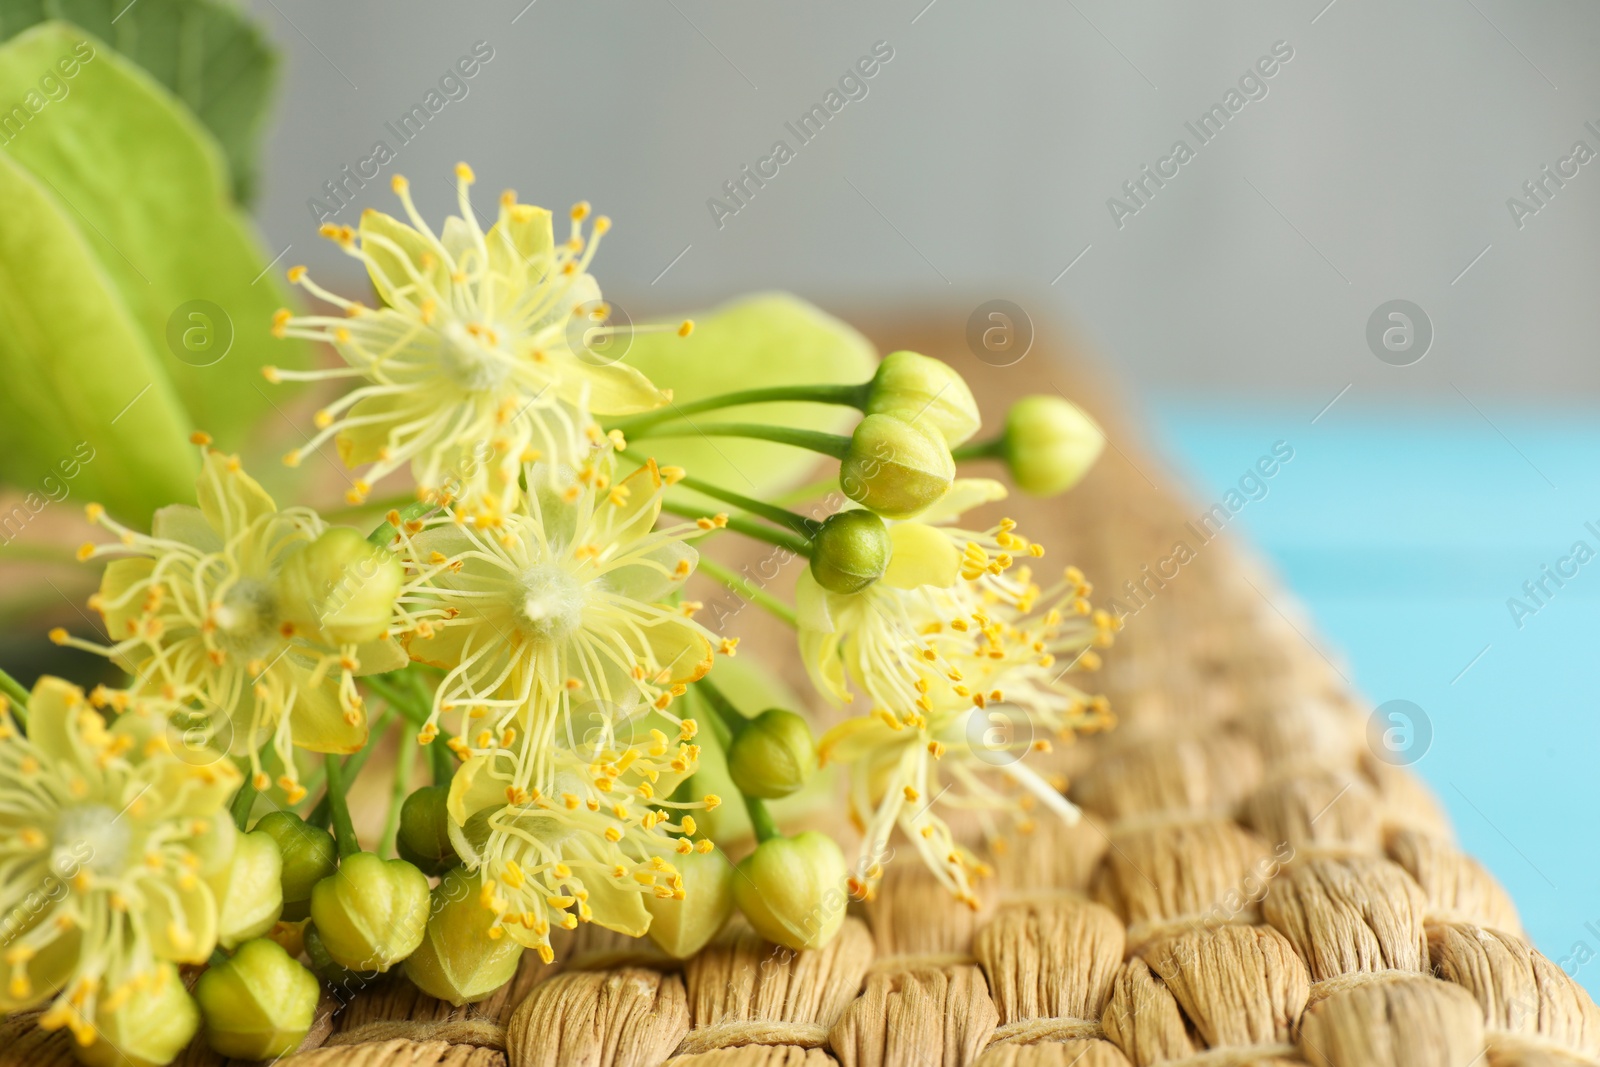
(1251, 885)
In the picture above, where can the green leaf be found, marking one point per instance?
(208, 53)
(760, 340)
(144, 183)
(85, 405)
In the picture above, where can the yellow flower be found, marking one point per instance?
(107, 840)
(479, 360)
(584, 840)
(555, 623)
(963, 659)
(219, 616)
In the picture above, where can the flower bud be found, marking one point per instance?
(371, 913)
(291, 935)
(792, 889)
(249, 892)
(772, 755)
(1049, 444)
(683, 923)
(340, 979)
(145, 1029)
(925, 391)
(463, 957)
(342, 586)
(259, 1005)
(850, 551)
(896, 468)
(308, 855)
(424, 836)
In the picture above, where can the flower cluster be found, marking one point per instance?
(559, 638)
(482, 338)
(110, 845)
(561, 611)
(526, 617)
(247, 623)
(964, 660)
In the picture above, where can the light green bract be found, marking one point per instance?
(759, 341)
(123, 265)
(209, 53)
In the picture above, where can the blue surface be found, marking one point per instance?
(1407, 532)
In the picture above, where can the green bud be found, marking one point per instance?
(463, 957)
(341, 585)
(249, 892)
(772, 755)
(683, 923)
(1049, 444)
(259, 1005)
(424, 836)
(850, 551)
(309, 855)
(371, 913)
(339, 977)
(793, 889)
(896, 468)
(147, 1029)
(927, 391)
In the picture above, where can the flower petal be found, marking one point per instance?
(230, 498)
(964, 495)
(921, 555)
(318, 719)
(395, 251)
(187, 525)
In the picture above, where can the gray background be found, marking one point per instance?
(980, 162)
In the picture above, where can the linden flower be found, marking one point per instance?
(479, 362)
(963, 658)
(583, 841)
(244, 621)
(106, 840)
(555, 623)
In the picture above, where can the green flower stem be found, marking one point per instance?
(739, 524)
(414, 510)
(994, 448)
(801, 525)
(441, 760)
(848, 395)
(829, 444)
(749, 590)
(405, 760)
(726, 721)
(243, 801)
(402, 702)
(761, 820)
(352, 767)
(351, 512)
(730, 717)
(18, 696)
(344, 831)
(806, 494)
(415, 706)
